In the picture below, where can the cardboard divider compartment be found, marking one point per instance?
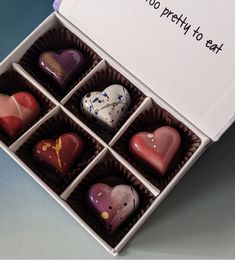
(11, 82)
(148, 121)
(100, 173)
(100, 66)
(57, 40)
(57, 125)
(144, 105)
(97, 83)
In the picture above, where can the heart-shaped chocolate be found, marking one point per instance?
(17, 112)
(60, 154)
(113, 204)
(157, 149)
(108, 106)
(62, 66)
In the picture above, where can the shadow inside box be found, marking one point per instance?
(51, 130)
(112, 173)
(188, 210)
(98, 83)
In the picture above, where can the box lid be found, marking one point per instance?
(183, 51)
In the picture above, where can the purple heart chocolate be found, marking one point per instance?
(62, 66)
(113, 204)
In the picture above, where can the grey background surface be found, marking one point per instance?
(197, 220)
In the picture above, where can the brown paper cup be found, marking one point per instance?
(57, 40)
(52, 129)
(149, 121)
(101, 80)
(105, 171)
(10, 83)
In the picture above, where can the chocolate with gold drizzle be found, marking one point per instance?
(62, 66)
(60, 154)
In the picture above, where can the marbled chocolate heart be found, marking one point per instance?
(106, 107)
(156, 149)
(63, 66)
(17, 112)
(60, 154)
(113, 204)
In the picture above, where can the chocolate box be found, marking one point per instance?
(178, 66)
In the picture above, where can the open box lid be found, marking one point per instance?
(160, 42)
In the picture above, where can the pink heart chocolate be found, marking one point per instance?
(113, 204)
(17, 112)
(63, 66)
(157, 149)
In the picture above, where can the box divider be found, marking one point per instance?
(74, 118)
(154, 190)
(18, 68)
(15, 146)
(144, 105)
(67, 192)
(101, 65)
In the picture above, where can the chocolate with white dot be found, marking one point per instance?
(113, 205)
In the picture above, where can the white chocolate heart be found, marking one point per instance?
(108, 106)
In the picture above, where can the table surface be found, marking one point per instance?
(197, 220)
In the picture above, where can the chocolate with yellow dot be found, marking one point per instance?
(107, 107)
(60, 154)
(113, 205)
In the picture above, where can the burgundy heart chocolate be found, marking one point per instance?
(62, 66)
(17, 112)
(157, 149)
(113, 204)
(60, 154)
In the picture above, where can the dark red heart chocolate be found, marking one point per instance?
(17, 112)
(113, 204)
(63, 66)
(60, 154)
(156, 149)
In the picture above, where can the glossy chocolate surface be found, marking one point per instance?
(60, 154)
(62, 66)
(156, 149)
(17, 112)
(113, 205)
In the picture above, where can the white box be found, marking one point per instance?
(168, 63)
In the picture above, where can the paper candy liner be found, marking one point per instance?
(100, 81)
(12, 82)
(57, 40)
(107, 168)
(149, 121)
(52, 129)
